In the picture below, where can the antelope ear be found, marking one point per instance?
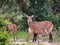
(32, 16)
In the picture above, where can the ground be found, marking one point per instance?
(23, 42)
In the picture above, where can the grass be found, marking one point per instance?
(23, 44)
(56, 38)
(27, 44)
(23, 36)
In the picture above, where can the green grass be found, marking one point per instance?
(23, 44)
(28, 44)
(22, 35)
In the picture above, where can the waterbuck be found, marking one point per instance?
(12, 28)
(40, 27)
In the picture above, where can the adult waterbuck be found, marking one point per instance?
(40, 27)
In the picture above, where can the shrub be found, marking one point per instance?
(58, 31)
(3, 38)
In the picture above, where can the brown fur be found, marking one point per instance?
(39, 27)
(12, 28)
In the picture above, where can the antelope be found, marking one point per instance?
(11, 28)
(40, 27)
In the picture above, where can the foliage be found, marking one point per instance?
(42, 9)
(58, 31)
(55, 19)
(2, 22)
(3, 38)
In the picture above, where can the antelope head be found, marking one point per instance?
(29, 18)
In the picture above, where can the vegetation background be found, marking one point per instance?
(14, 10)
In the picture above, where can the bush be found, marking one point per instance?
(3, 38)
(58, 32)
